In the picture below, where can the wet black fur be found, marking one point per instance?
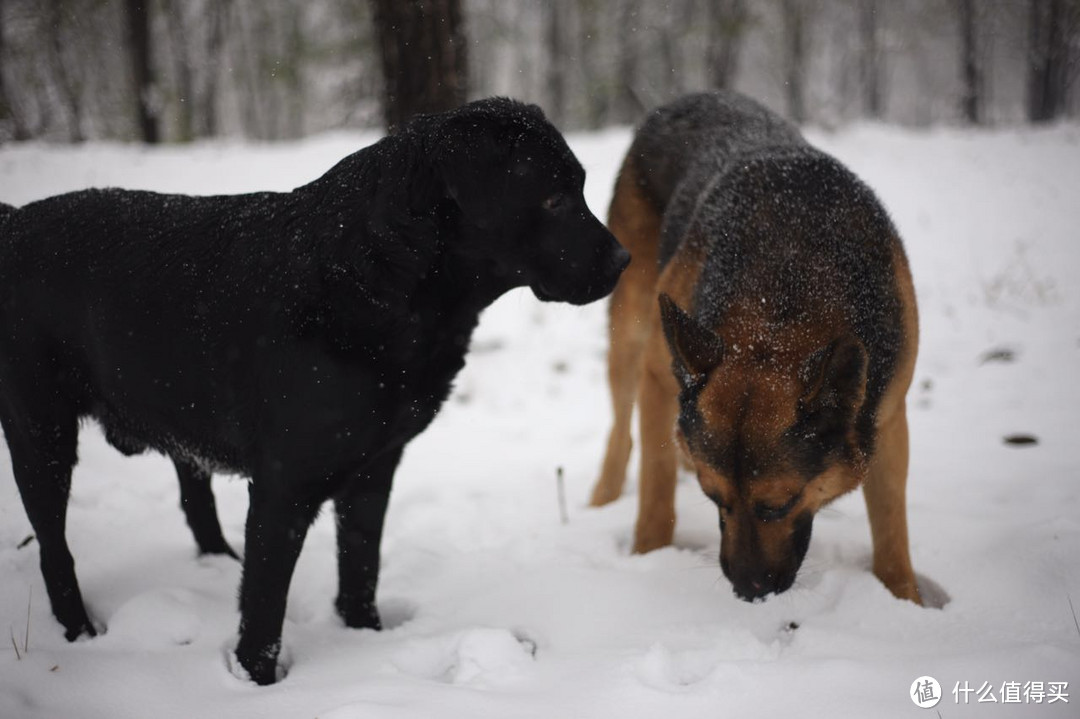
(301, 338)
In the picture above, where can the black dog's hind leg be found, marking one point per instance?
(197, 501)
(43, 451)
(361, 510)
(277, 522)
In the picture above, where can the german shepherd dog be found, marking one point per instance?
(768, 314)
(300, 338)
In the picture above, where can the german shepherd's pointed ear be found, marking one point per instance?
(695, 349)
(834, 377)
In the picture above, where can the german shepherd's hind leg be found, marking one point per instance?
(886, 503)
(43, 451)
(659, 454)
(200, 509)
(636, 225)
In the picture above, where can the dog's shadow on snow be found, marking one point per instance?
(933, 594)
(397, 612)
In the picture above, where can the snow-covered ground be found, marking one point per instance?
(496, 608)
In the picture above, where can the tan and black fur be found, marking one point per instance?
(767, 326)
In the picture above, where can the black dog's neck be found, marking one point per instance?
(413, 254)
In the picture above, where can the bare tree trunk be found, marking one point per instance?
(970, 63)
(556, 69)
(727, 22)
(294, 72)
(185, 85)
(594, 86)
(215, 44)
(68, 86)
(138, 18)
(794, 12)
(422, 43)
(677, 24)
(8, 112)
(1052, 28)
(248, 63)
(627, 104)
(872, 69)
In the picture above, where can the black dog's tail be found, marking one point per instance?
(6, 211)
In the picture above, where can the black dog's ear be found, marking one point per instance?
(834, 376)
(473, 165)
(695, 349)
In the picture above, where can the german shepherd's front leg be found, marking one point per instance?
(884, 491)
(629, 305)
(659, 408)
(636, 225)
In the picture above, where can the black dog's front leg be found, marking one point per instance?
(277, 523)
(361, 509)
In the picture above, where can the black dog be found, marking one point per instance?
(299, 338)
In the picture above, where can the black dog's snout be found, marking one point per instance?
(620, 259)
(611, 260)
(611, 266)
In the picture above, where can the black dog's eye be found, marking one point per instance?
(555, 202)
(767, 513)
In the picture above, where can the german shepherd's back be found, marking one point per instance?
(783, 340)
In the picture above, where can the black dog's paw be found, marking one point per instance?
(218, 549)
(82, 628)
(358, 615)
(261, 667)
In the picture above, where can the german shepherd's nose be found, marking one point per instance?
(751, 583)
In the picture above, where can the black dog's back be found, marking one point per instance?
(122, 267)
(140, 302)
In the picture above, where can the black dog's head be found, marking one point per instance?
(517, 188)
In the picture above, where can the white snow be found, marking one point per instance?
(494, 608)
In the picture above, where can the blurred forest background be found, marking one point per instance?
(179, 70)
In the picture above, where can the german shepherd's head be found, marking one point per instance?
(771, 429)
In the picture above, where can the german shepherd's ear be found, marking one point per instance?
(834, 376)
(695, 348)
